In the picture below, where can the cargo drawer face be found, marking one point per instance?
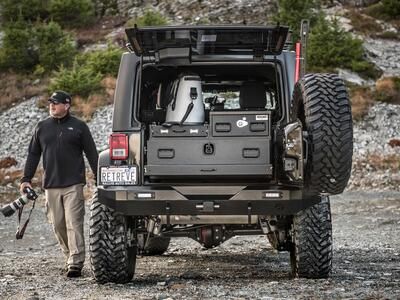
(240, 123)
(168, 156)
(179, 131)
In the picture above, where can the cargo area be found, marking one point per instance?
(203, 125)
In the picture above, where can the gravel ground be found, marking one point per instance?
(366, 262)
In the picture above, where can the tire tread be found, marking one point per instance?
(111, 259)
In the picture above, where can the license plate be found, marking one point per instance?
(118, 175)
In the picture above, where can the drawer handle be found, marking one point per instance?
(257, 126)
(222, 127)
(166, 153)
(208, 170)
(251, 152)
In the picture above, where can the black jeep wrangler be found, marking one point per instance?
(213, 136)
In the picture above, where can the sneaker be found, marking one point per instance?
(74, 272)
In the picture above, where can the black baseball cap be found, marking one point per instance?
(60, 97)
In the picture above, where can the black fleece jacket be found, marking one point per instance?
(62, 143)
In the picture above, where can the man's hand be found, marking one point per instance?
(24, 185)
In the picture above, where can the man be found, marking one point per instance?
(62, 139)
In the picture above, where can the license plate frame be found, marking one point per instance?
(119, 175)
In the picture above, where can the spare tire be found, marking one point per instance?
(321, 103)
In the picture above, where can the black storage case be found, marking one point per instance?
(238, 145)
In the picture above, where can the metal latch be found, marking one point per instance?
(258, 53)
(207, 206)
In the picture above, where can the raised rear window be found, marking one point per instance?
(199, 41)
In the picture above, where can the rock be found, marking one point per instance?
(193, 11)
(358, 3)
(385, 54)
(352, 77)
(191, 275)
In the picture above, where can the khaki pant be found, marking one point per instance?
(66, 211)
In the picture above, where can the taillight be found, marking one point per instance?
(118, 146)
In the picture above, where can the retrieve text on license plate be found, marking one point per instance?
(118, 176)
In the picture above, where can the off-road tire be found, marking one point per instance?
(111, 258)
(311, 251)
(156, 245)
(322, 104)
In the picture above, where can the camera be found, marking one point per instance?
(9, 209)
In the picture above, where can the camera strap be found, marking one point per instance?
(21, 231)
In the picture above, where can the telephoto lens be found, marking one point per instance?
(9, 209)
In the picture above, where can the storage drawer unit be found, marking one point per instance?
(240, 123)
(232, 148)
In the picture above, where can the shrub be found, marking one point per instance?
(71, 13)
(106, 7)
(388, 35)
(25, 10)
(362, 99)
(56, 47)
(377, 161)
(365, 68)
(78, 80)
(18, 50)
(68, 13)
(86, 107)
(291, 12)
(330, 47)
(150, 18)
(25, 47)
(391, 8)
(388, 90)
(84, 78)
(105, 62)
(386, 10)
(363, 23)
(15, 87)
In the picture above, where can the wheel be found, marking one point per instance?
(322, 104)
(311, 251)
(112, 258)
(156, 245)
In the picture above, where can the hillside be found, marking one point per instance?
(376, 128)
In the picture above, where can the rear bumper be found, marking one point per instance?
(144, 202)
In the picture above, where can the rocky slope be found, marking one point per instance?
(372, 136)
(204, 11)
(385, 54)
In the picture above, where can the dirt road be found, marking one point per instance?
(366, 262)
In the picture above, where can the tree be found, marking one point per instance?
(72, 13)
(330, 47)
(291, 12)
(56, 47)
(23, 10)
(26, 47)
(18, 51)
(391, 8)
